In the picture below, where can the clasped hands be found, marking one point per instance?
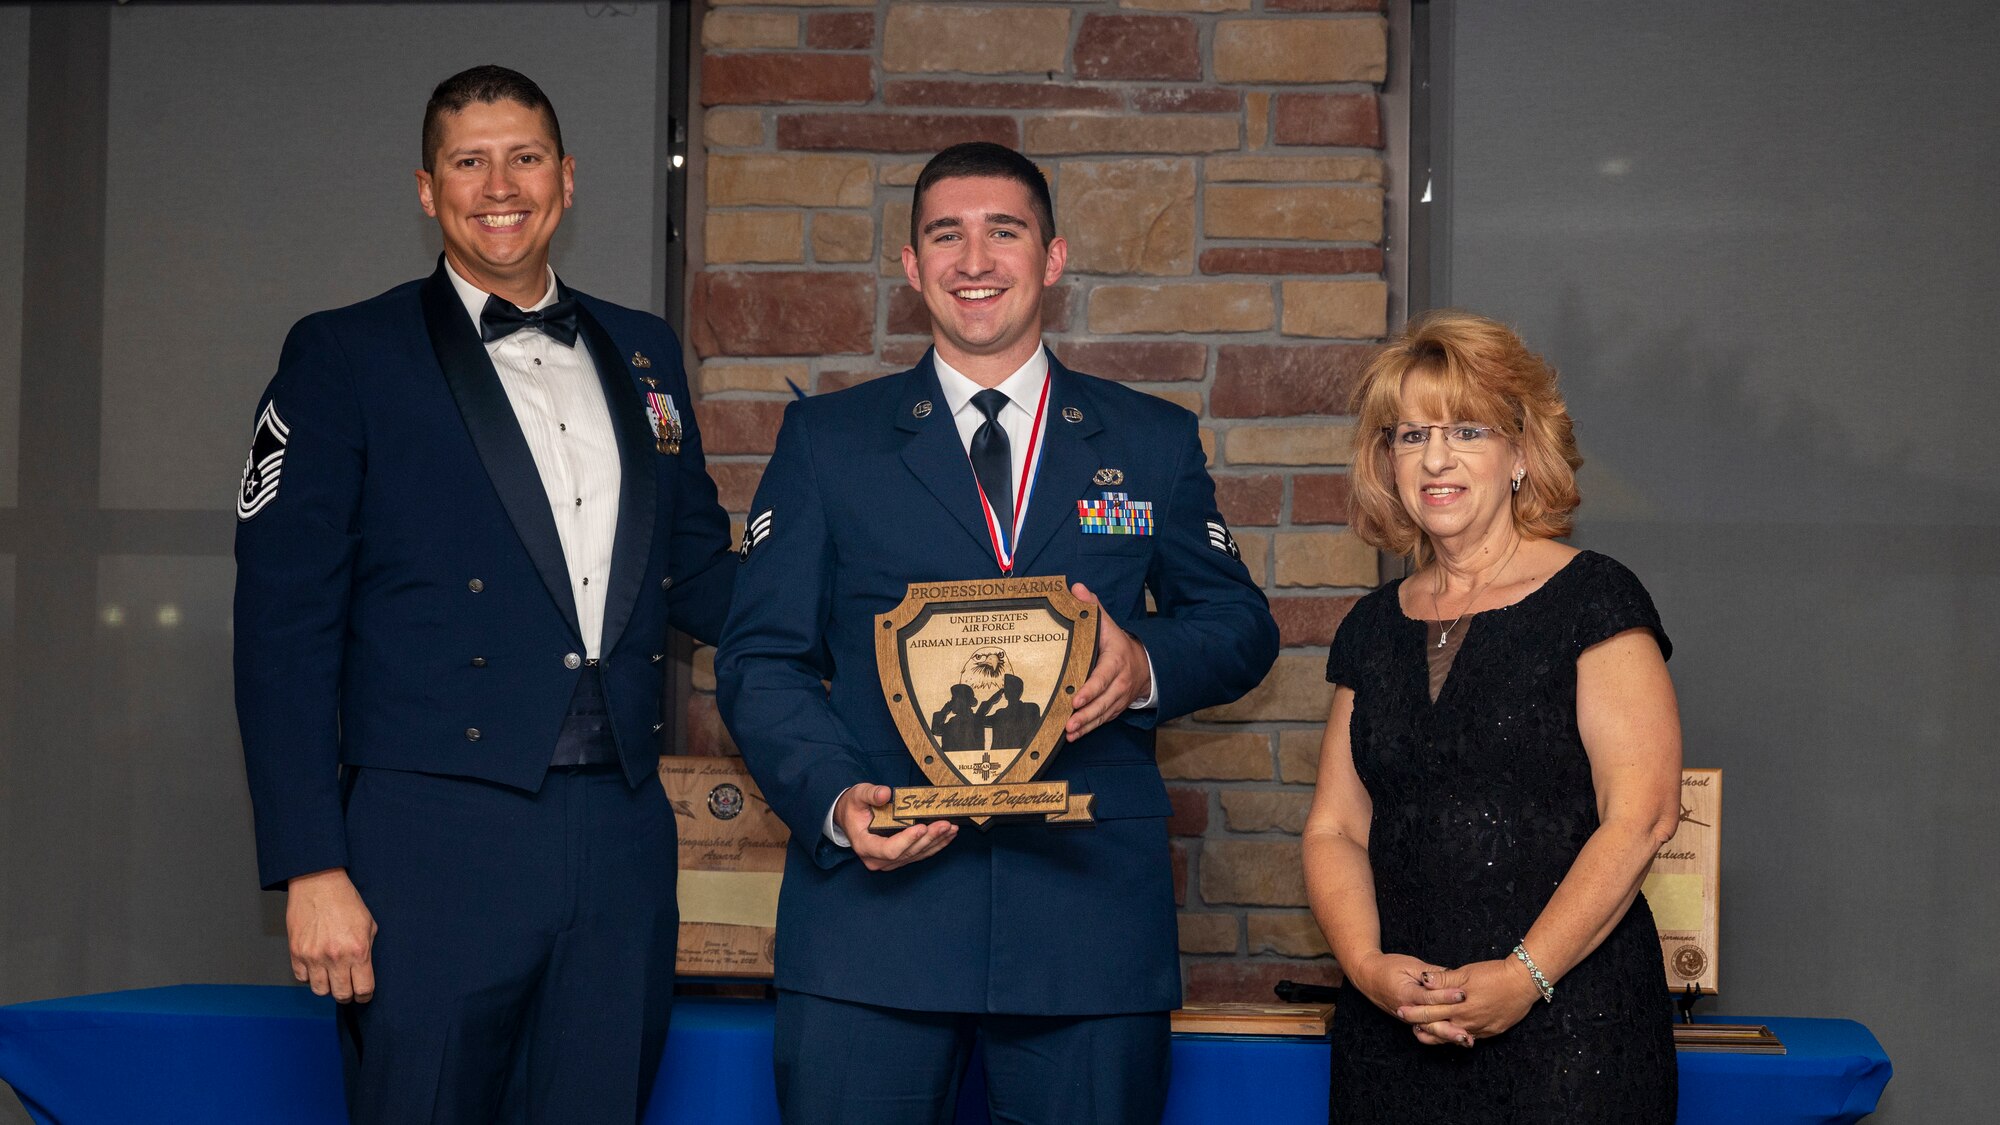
(1458, 1006)
(1120, 676)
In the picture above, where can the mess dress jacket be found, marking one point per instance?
(402, 598)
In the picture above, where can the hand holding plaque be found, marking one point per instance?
(1120, 676)
(879, 851)
(981, 677)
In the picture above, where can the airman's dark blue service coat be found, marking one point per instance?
(870, 490)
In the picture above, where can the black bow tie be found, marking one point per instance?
(500, 318)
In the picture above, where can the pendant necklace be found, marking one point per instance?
(1437, 606)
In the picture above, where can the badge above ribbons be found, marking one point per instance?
(981, 676)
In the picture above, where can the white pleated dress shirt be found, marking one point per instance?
(561, 409)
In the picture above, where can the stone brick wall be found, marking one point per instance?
(1217, 173)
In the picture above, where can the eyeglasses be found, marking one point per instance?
(1413, 437)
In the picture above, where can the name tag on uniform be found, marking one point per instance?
(1116, 514)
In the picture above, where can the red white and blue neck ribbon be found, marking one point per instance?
(1007, 540)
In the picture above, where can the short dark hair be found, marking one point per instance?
(984, 158)
(486, 85)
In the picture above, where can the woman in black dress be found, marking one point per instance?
(1501, 763)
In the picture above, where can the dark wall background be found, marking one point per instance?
(1758, 241)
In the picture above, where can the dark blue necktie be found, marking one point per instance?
(500, 318)
(993, 462)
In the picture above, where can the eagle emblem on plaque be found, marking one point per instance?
(980, 677)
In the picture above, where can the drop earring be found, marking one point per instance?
(1518, 474)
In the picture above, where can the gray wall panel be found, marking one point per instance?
(170, 815)
(261, 163)
(13, 181)
(11, 1111)
(1756, 240)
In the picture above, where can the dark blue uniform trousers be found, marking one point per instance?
(525, 948)
(840, 1062)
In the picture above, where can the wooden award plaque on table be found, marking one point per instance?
(1683, 886)
(980, 676)
(1309, 1021)
(731, 862)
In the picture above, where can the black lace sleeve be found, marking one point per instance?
(1614, 600)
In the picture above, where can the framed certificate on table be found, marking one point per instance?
(1683, 887)
(732, 861)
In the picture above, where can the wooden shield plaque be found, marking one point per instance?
(732, 860)
(980, 676)
(1683, 888)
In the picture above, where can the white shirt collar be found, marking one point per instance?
(474, 297)
(1023, 388)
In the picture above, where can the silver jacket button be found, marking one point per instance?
(667, 583)
(572, 661)
(472, 734)
(475, 585)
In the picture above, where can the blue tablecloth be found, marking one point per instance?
(239, 1053)
(1832, 1070)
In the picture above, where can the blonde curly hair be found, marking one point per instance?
(1480, 371)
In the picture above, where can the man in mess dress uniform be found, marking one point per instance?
(472, 508)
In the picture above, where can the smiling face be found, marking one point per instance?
(981, 265)
(498, 193)
(1453, 494)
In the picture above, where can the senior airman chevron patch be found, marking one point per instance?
(755, 532)
(1220, 539)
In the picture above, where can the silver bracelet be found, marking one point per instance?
(1534, 971)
